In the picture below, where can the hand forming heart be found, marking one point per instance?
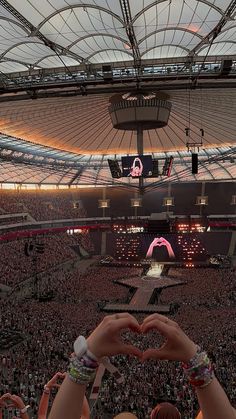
(53, 383)
(15, 402)
(158, 242)
(106, 340)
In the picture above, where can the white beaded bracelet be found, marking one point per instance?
(24, 410)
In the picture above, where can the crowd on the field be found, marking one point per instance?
(198, 293)
(49, 329)
(210, 325)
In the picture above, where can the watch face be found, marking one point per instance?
(80, 346)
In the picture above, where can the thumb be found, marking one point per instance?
(161, 354)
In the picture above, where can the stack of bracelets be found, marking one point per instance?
(199, 370)
(83, 370)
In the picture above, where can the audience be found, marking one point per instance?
(42, 205)
(106, 341)
(16, 266)
(48, 329)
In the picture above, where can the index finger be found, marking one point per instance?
(5, 396)
(126, 323)
(60, 374)
(160, 317)
(163, 328)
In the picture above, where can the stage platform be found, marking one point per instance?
(150, 308)
(145, 289)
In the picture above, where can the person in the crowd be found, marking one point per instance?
(11, 401)
(165, 411)
(106, 340)
(44, 402)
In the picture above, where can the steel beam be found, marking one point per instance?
(212, 35)
(125, 7)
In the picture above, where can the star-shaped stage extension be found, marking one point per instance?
(145, 288)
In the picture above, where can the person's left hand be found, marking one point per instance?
(105, 340)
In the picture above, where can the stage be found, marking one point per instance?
(145, 298)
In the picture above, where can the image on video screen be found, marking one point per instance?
(173, 247)
(137, 166)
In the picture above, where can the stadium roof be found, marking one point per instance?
(83, 125)
(53, 51)
(22, 162)
(36, 33)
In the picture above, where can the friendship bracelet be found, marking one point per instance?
(80, 372)
(79, 377)
(84, 363)
(89, 362)
(199, 370)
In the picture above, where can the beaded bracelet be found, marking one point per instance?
(199, 370)
(46, 389)
(24, 410)
(82, 371)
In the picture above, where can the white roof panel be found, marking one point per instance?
(55, 61)
(93, 43)
(96, 30)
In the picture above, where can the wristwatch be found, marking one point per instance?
(81, 348)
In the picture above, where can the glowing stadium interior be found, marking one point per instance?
(61, 61)
(117, 197)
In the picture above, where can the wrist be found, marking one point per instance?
(24, 409)
(199, 370)
(93, 349)
(82, 348)
(46, 389)
(79, 372)
(190, 353)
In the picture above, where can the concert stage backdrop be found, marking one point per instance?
(169, 247)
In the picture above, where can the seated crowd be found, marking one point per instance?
(50, 328)
(16, 266)
(42, 205)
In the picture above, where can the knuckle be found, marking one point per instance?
(106, 319)
(109, 323)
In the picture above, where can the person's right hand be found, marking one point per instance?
(53, 382)
(106, 340)
(17, 401)
(178, 346)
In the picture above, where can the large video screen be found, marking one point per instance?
(160, 248)
(137, 166)
(173, 247)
